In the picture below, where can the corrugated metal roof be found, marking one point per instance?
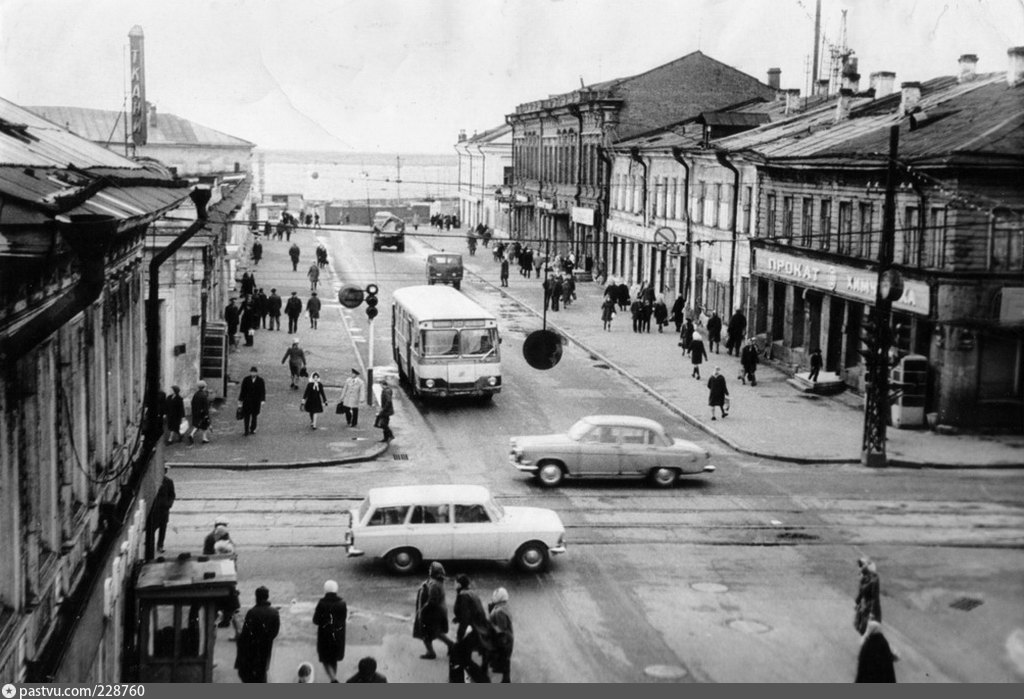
(105, 126)
(732, 119)
(491, 134)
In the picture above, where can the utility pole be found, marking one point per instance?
(876, 333)
(817, 43)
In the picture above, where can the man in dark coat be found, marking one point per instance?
(330, 617)
(293, 309)
(161, 512)
(274, 304)
(251, 397)
(293, 252)
(623, 296)
(503, 275)
(256, 640)
(174, 411)
(387, 409)
(677, 313)
(257, 252)
(471, 636)
(816, 363)
(876, 658)
(717, 391)
(231, 317)
(714, 327)
(749, 360)
(737, 328)
(248, 322)
(313, 306)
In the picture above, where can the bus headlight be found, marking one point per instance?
(491, 381)
(429, 383)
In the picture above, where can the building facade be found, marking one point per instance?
(485, 179)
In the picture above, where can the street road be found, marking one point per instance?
(744, 575)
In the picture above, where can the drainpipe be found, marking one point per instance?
(483, 174)
(89, 236)
(575, 111)
(677, 154)
(721, 156)
(200, 197)
(605, 200)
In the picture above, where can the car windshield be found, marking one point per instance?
(363, 507)
(577, 431)
(470, 342)
(478, 341)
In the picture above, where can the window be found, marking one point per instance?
(770, 216)
(727, 198)
(937, 238)
(716, 206)
(702, 194)
(866, 236)
(908, 242)
(429, 514)
(507, 176)
(386, 516)
(1007, 240)
(845, 241)
(787, 219)
(633, 435)
(807, 223)
(673, 193)
(438, 343)
(825, 225)
(599, 434)
(662, 195)
(748, 198)
(471, 514)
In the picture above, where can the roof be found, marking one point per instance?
(426, 494)
(625, 420)
(439, 303)
(490, 134)
(733, 118)
(108, 127)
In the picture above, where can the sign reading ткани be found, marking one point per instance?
(857, 284)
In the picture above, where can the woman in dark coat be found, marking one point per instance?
(687, 336)
(432, 612)
(248, 284)
(502, 637)
(330, 617)
(607, 311)
(677, 313)
(314, 399)
(660, 314)
(717, 392)
(175, 411)
(875, 662)
(697, 354)
(748, 358)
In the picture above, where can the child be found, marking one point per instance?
(306, 674)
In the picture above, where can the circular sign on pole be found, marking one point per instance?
(350, 296)
(542, 349)
(665, 235)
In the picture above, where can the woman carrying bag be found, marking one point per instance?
(314, 399)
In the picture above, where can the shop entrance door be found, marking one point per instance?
(833, 355)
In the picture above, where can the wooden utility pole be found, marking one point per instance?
(817, 45)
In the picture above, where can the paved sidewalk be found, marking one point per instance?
(771, 420)
(284, 438)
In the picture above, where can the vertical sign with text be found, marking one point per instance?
(138, 68)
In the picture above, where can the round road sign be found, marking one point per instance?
(350, 296)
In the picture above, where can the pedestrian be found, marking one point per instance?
(257, 251)
(293, 309)
(868, 604)
(248, 284)
(161, 512)
(316, 220)
(748, 360)
(471, 636)
(321, 256)
(646, 311)
(875, 662)
(547, 285)
(737, 328)
(267, 230)
(251, 397)
(502, 637)
(313, 306)
(697, 354)
(210, 542)
(351, 396)
(330, 617)
(431, 621)
(231, 317)
(607, 312)
(314, 400)
(274, 304)
(503, 275)
(661, 313)
(314, 276)
(677, 313)
(816, 363)
(305, 674)
(568, 285)
(718, 393)
(714, 328)
(635, 314)
(259, 306)
(687, 335)
(256, 640)
(174, 412)
(200, 414)
(387, 409)
(296, 358)
(556, 292)
(367, 672)
(247, 322)
(293, 252)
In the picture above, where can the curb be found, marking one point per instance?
(368, 455)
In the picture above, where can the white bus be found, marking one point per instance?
(444, 343)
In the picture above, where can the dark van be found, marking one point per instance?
(444, 268)
(388, 231)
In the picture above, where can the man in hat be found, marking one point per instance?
(293, 309)
(256, 641)
(251, 398)
(296, 359)
(351, 396)
(161, 511)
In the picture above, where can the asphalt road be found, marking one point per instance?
(744, 575)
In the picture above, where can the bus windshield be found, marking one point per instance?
(470, 342)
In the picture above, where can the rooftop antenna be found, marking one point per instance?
(839, 53)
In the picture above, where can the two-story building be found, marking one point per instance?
(485, 179)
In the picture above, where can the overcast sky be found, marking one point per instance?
(406, 75)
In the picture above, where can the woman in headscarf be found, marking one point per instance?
(502, 638)
(314, 399)
(432, 612)
(875, 662)
(330, 617)
(868, 604)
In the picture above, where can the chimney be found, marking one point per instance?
(136, 41)
(911, 95)
(152, 115)
(851, 81)
(462, 135)
(822, 87)
(774, 78)
(1015, 71)
(968, 63)
(882, 82)
(843, 104)
(792, 100)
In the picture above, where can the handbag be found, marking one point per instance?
(183, 427)
(340, 408)
(379, 420)
(238, 413)
(303, 373)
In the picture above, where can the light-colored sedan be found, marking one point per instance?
(602, 446)
(406, 525)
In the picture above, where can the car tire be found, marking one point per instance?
(403, 561)
(664, 477)
(532, 557)
(550, 474)
(401, 248)
(457, 285)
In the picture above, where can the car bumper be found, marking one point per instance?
(708, 469)
(556, 550)
(527, 466)
(353, 552)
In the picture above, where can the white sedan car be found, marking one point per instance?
(609, 446)
(406, 525)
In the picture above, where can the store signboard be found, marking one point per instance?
(625, 229)
(583, 215)
(545, 204)
(849, 282)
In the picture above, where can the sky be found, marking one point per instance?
(404, 76)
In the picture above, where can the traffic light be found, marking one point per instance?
(371, 301)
